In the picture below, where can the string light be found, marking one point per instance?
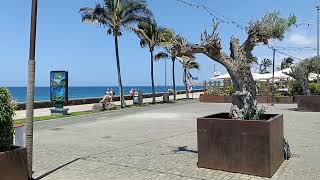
(295, 48)
(212, 13)
(226, 20)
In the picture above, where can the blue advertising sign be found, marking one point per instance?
(59, 86)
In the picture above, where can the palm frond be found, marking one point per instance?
(116, 14)
(161, 55)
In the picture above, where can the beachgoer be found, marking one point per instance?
(190, 89)
(107, 92)
(111, 93)
(132, 92)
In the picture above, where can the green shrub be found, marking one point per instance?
(255, 113)
(277, 96)
(315, 88)
(262, 88)
(213, 91)
(6, 120)
(295, 88)
(229, 91)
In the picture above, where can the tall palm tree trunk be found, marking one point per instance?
(119, 71)
(30, 88)
(186, 83)
(152, 78)
(30, 114)
(174, 80)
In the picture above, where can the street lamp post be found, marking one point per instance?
(273, 65)
(31, 86)
(318, 19)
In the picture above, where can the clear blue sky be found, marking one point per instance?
(64, 43)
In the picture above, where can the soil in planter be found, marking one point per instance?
(265, 117)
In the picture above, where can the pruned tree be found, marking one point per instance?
(237, 63)
(264, 66)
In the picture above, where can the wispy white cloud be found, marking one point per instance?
(301, 40)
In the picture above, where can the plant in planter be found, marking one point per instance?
(228, 91)
(212, 95)
(307, 94)
(13, 160)
(232, 141)
(315, 88)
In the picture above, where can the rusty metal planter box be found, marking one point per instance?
(242, 146)
(211, 99)
(13, 164)
(263, 99)
(215, 99)
(308, 103)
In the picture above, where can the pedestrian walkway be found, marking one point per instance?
(87, 107)
(157, 142)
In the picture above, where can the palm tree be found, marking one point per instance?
(151, 36)
(171, 52)
(31, 87)
(286, 63)
(188, 63)
(265, 64)
(116, 15)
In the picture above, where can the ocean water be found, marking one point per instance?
(19, 94)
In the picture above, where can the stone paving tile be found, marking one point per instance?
(145, 145)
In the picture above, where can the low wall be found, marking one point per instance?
(260, 99)
(73, 102)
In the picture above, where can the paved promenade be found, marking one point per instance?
(87, 107)
(143, 143)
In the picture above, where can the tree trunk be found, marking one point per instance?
(174, 80)
(30, 88)
(306, 87)
(119, 71)
(186, 83)
(244, 98)
(152, 77)
(30, 114)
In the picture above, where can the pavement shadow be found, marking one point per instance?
(184, 149)
(56, 169)
(292, 109)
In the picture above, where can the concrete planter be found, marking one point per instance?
(308, 103)
(166, 98)
(242, 146)
(13, 164)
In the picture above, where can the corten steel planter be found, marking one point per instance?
(308, 103)
(215, 99)
(241, 146)
(263, 99)
(282, 100)
(13, 164)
